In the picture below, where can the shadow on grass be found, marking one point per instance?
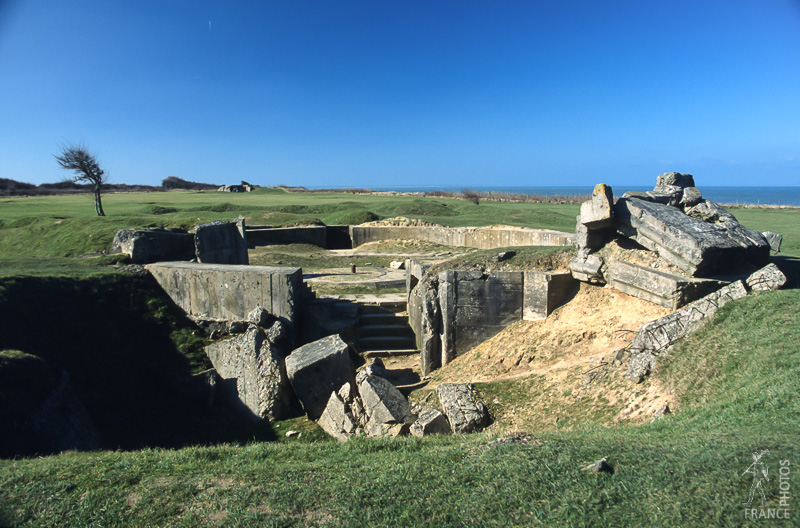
(130, 355)
(790, 266)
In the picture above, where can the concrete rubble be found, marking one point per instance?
(317, 369)
(702, 246)
(656, 338)
(252, 369)
(464, 411)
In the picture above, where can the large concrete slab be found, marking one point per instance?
(660, 287)
(230, 292)
(697, 247)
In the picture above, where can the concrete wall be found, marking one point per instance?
(453, 311)
(216, 291)
(475, 237)
(267, 236)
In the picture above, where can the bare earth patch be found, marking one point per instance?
(566, 369)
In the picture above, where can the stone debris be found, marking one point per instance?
(774, 240)
(464, 411)
(696, 237)
(430, 422)
(259, 316)
(290, 434)
(767, 278)
(317, 369)
(598, 212)
(221, 242)
(601, 466)
(397, 264)
(655, 338)
(252, 371)
(376, 368)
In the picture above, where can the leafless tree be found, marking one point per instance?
(77, 158)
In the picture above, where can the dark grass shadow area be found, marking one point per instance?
(130, 355)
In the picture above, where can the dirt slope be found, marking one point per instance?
(561, 371)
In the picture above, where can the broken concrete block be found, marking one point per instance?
(317, 369)
(657, 337)
(464, 411)
(710, 212)
(429, 340)
(430, 422)
(597, 212)
(587, 240)
(145, 245)
(774, 240)
(691, 196)
(767, 278)
(697, 247)
(587, 269)
(543, 291)
(667, 180)
(336, 419)
(660, 287)
(260, 317)
(221, 243)
(382, 401)
(256, 367)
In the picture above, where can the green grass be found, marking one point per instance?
(736, 381)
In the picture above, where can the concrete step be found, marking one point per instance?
(401, 329)
(384, 342)
(384, 307)
(383, 318)
(391, 352)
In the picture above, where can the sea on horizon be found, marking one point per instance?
(750, 195)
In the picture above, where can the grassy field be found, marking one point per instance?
(736, 382)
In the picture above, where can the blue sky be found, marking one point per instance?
(384, 93)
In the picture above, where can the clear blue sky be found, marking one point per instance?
(389, 92)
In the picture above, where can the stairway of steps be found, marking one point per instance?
(383, 329)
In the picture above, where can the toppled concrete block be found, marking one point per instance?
(597, 213)
(587, 240)
(767, 278)
(774, 240)
(317, 369)
(657, 337)
(464, 411)
(691, 196)
(336, 419)
(221, 243)
(383, 403)
(256, 367)
(660, 287)
(543, 292)
(145, 245)
(430, 422)
(699, 248)
(587, 269)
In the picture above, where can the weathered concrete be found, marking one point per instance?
(317, 369)
(598, 212)
(660, 287)
(221, 243)
(774, 240)
(766, 279)
(698, 247)
(464, 411)
(383, 403)
(336, 419)
(475, 237)
(216, 291)
(587, 268)
(144, 245)
(543, 291)
(656, 338)
(256, 367)
(430, 422)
